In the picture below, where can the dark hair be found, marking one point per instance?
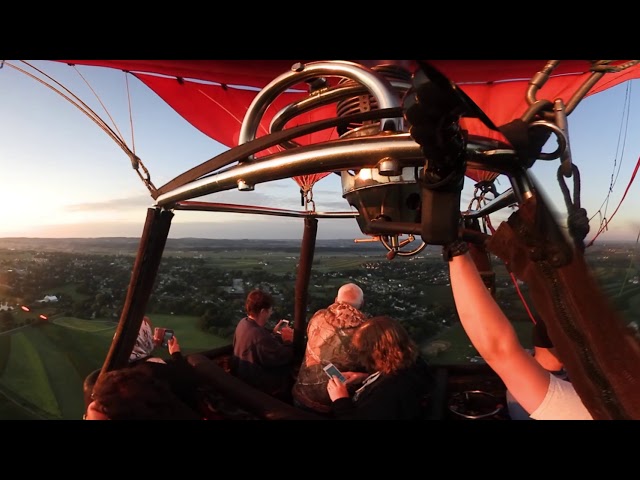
(258, 300)
(384, 345)
(131, 393)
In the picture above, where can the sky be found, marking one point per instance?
(62, 176)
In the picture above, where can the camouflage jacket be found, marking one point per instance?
(328, 340)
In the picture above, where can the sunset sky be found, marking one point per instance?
(62, 176)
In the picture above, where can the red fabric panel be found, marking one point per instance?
(254, 73)
(260, 72)
(490, 71)
(480, 175)
(504, 102)
(498, 87)
(309, 180)
(218, 112)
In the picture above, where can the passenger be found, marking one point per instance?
(177, 371)
(545, 354)
(397, 381)
(262, 358)
(329, 335)
(136, 394)
(543, 395)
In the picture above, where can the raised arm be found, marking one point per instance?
(492, 334)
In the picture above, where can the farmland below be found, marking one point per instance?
(74, 289)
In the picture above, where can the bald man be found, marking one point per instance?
(329, 341)
(352, 294)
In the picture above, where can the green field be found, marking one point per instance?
(190, 337)
(331, 264)
(71, 291)
(43, 365)
(85, 325)
(26, 374)
(456, 345)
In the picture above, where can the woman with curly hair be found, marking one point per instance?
(397, 382)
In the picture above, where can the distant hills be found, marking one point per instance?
(130, 244)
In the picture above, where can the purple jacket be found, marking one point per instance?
(261, 359)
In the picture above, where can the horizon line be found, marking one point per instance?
(168, 238)
(231, 238)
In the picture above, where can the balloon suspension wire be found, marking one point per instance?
(622, 138)
(60, 89)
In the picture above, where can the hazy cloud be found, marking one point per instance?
(253, 226)
(267, 228)
(113, 204)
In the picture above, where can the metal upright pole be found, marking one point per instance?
(145, 269)
(307, 250)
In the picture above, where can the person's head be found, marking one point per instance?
(352, 294)
(383, 344)
(132, 393)
(144, 343)
(259, 306)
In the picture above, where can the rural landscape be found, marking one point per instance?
(60, 302)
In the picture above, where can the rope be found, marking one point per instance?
(95, 94)
(577, 220)
(522, 299)
(606, 222)
(84, 108)
(133, 141)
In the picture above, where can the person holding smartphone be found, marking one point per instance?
(175, 371)
(262, 357)
(397, 383)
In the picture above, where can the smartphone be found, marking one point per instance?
(168, 335)
(332, 371)
(281, 324)
(161, 336)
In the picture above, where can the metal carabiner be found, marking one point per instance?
(560, 137)
(308, 199)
